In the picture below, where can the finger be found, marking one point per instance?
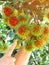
(13, 59)
(11, 48)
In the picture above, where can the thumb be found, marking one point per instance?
(11, 48)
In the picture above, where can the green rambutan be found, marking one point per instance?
(39, 43)
(37, 29)
(4, 47)
(46, 30)
(29, 45)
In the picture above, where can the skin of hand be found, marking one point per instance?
(22, 57)
(7, 59)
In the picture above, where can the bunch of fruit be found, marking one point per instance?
(34, 35)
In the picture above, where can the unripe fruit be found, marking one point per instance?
(39, 43)
(37, 29)
(46, 31)
(29, 45)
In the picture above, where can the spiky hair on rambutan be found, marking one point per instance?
(29, 45)
(23, 30)
(37, 29)
(7, 10)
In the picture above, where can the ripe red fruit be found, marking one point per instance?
(7, 11)
(22, 29)
(13, 21)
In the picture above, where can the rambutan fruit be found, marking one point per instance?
(46, 30)
(4, 47)
(23, 30)
(7, 11)
(13, 21)
(39, 43)
(36, 29)
(29, 45)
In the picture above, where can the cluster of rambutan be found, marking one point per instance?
(38, 38)
(34, 35)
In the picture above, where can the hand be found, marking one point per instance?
(22, 57)
(7, 59)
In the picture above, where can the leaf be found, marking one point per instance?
(1, 3)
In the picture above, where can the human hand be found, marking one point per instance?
(22, 57)
(7, 59)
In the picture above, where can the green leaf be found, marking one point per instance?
(1, 3)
